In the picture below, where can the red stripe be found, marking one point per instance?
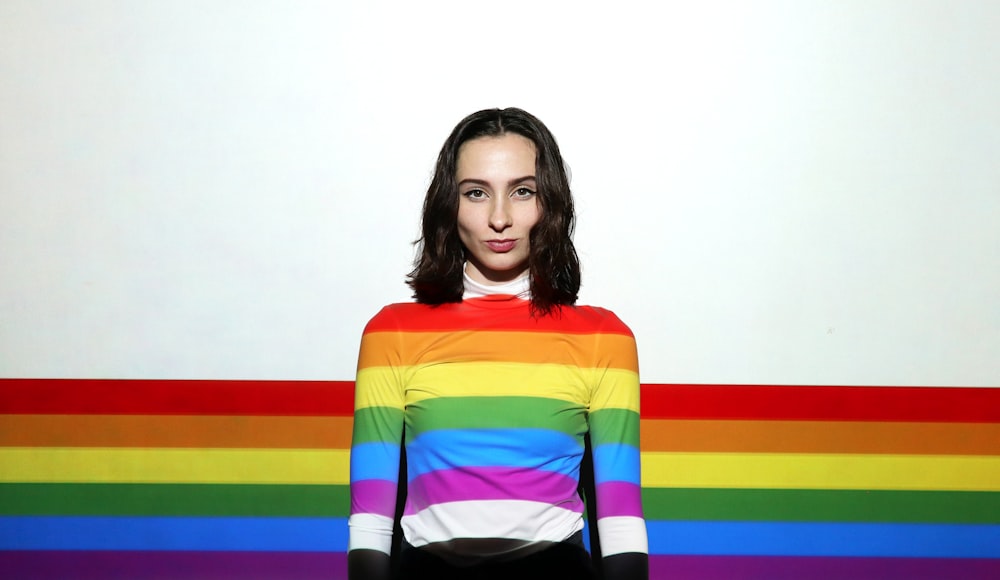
(162, 397)
(460, 316)
(336, 398)
(821, 403)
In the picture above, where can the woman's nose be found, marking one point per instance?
(500, 216)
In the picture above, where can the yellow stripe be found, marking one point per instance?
(821, 471)
(157, 465)
(697, 470)
(890, 437)
(513, 346)
(567, 383)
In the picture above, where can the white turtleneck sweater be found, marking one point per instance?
(519, 287)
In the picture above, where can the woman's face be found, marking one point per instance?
(497, 205)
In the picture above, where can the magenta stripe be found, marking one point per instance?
(492, 483)
(82, 565)
(368, 495)
(618, 498)
(797, 568)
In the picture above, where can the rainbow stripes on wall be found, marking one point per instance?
(248, 479)
(822, 482)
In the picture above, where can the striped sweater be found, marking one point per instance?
(494, 405)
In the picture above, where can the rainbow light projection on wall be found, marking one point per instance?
(248, 479)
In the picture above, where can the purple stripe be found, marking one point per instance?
(492, 483)
(618, 498)
(137, 565)
(373, 496)
(797, 568)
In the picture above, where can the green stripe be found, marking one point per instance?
(375, 423)
(498, 413)
(821, 505)
(659, 503)
(174, 499)
(614, 426)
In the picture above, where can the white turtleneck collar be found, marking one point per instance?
(519, 287)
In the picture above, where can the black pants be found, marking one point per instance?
(562, 561)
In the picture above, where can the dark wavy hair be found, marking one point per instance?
(554, 267)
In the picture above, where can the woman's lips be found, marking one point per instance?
(501, 246)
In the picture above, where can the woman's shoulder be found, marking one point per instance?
(391, 314)
(596, 318)
(411, 315)
(400, 308)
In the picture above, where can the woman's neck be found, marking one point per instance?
(519, 287)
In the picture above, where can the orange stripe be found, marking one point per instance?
(657, 435)
(821, 437)
(175, 431)
(479, 346)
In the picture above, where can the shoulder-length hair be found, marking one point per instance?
(554, 267)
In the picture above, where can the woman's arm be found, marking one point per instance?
(375, 451)
(363, 564)
(614, 433)
(628, 566)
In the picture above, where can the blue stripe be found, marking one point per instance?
(665, 538)
(173, 533)
(542, 449)
(616, 462)
(375, 460)
(823, 539)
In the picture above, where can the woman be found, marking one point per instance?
(492, 380)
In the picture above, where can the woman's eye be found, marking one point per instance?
(523, 192)
(475, 194)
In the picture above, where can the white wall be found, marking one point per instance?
(768, 192)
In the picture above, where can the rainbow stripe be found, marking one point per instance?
(154, 479)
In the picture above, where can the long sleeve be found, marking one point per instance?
(375, 448)
(614, 431)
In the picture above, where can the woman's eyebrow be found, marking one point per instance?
(516, 181)
(521, 180)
